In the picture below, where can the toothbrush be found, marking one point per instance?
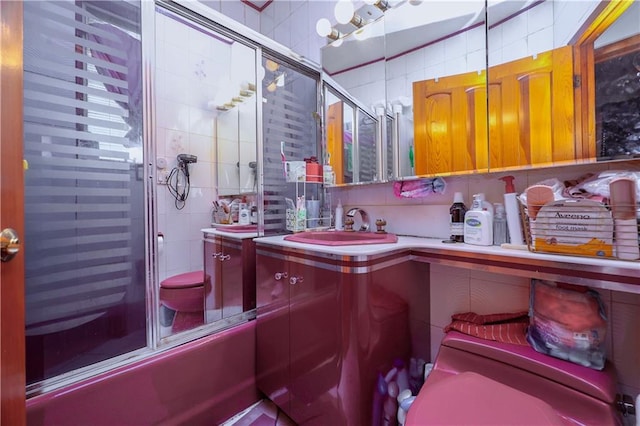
(284, 159)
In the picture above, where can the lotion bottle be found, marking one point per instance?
(478, 222)
(513, 211)
(339, 216)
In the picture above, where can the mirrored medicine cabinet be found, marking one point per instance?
(493, 86)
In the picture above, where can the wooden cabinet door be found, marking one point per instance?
(450, 124)
(335, 139)
(531, 111)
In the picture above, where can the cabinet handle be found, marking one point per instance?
(296, 280)
(224, 257)
(215, 255)
(280, 275)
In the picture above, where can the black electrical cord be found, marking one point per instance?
(179, 190)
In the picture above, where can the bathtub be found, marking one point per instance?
(202, 382)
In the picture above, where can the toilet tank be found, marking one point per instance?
(575, 392)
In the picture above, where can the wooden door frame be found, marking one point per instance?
(584, 75)
(12, 351)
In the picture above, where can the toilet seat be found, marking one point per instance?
(186, 280)
(183, 292)
(469, 398)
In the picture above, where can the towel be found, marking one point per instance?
(502, 327)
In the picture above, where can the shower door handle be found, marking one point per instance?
(9, 243)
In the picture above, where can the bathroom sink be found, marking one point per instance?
(236, 228)
(342, 238)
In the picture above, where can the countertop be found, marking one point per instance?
(600, 273)
(229, 234)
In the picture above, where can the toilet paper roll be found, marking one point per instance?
(160, 243)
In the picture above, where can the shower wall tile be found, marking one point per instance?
(233, 9)
(187, 63)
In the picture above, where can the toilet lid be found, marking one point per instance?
(188, 279)
(469, 398)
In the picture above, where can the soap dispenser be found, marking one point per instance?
(478, 222)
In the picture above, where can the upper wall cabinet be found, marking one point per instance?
(562, 86)
(498, 85)
(436, 87)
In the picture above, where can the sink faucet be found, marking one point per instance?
(363, 215)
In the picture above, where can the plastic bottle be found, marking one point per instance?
(339, 217)
(478, 222)
(403, 374)
(243, 215)
(512, 210)
(379, 398)
(390, 406)
(253, 213)
(456, 218)
(499, 225)
(402, 413)
(416, 371)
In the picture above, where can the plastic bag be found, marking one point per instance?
(567, 323)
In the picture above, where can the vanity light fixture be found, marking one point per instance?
(345, 14)
(383, 5)
(324, 29)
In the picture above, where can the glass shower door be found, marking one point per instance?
(84, 191)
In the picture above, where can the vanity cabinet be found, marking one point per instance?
(326, 324)
(298, 336)
(229, 267)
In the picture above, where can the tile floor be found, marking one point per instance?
(262, 413)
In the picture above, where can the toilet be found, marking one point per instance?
(476, 381)
(184, 294)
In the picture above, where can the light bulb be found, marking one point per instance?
(271, 87)
(338, 42)
(323, 27)
(343, 11)
(271, 65)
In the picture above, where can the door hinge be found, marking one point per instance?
(577, 81)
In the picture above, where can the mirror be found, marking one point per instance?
(617, 87)
(353, 71)
(236, 120)
(563, 86)
(352, 139)
(436, 87)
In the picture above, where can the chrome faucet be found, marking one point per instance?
(363, 215)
